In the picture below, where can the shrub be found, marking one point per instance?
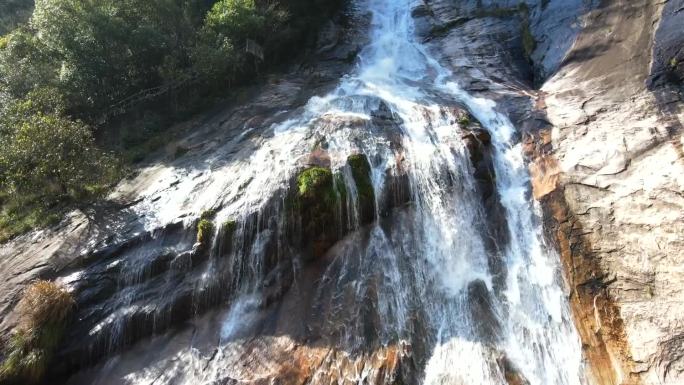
(44, 311)
(51, 156)
(43, 303)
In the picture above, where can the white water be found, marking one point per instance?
(432, 255)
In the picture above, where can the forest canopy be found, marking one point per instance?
(84, 81)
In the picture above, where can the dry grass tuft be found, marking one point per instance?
(43, 314)
(44, 302)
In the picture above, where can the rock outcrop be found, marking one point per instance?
(617, 151)
(599, 101)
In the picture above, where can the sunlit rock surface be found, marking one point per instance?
(525, 225)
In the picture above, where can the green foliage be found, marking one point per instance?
(229, 226)
(126, 69)
(234, 19)
(54, 158)
(220, 54)
(109, 50)
(316, 205)
(106, 56)
(43, 311)
(316, 198)
(25, 64)
(207, 214)
(46, 161)
(13, 13)
(21, 214)
(228, 230)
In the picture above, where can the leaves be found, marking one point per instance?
(53, 157)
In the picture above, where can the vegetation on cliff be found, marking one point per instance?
(84, 80)
(44, 311)
(13, 13)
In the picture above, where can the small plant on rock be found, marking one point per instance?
(44, 311)
(205, 230)
(673, 63)
(464, 120)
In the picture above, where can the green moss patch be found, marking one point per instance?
(316, 206)
(205, 231)
(316, 183)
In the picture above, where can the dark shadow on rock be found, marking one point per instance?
(666, 79)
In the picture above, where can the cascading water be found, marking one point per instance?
(430, 271)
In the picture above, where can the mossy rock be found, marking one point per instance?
(317, 205)
(207, 214)
(227, 231)
(316, 183)
(361, 172)
(205, 231)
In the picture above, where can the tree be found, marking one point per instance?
(25, 63)
(53, 158)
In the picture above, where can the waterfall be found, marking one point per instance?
(481, 309)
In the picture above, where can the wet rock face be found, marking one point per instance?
(316, 203)
(481, 307)
(323, 206)
(668, 54)
(607, 115)
(530, 38)
(361, 173)
(616, 120)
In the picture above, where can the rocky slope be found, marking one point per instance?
(595, 88)
(617, 151)
(598, 95)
